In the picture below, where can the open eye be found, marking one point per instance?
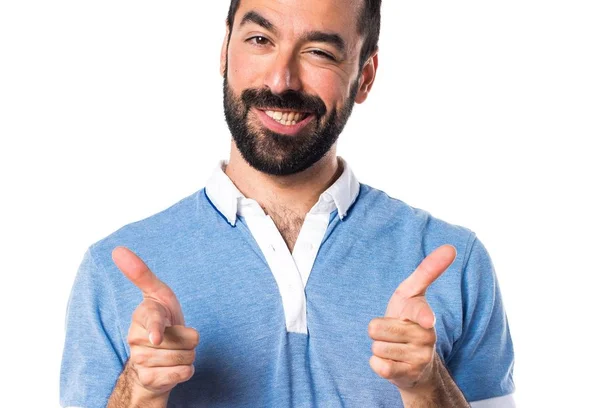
(258, 40)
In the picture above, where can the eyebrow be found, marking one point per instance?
(313, 36)
(254, 17)
(330, 38)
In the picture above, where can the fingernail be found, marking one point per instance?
(151, 341)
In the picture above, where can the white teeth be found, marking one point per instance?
(285, 118)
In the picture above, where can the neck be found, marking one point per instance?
(297, 192)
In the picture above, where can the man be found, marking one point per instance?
(286, 282)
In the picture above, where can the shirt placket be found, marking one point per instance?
(282, 265)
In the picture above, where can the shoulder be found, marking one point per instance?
(395, 215)
(161, 230)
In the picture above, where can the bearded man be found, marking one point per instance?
(285, 282)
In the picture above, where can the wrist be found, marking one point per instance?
(142, 396)
(438, 390)
(428, 386)
(130, 393)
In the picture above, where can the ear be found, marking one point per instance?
(224, 50)
(367, 78)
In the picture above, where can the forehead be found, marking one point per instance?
(340, 16)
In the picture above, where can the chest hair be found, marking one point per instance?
(288, 223)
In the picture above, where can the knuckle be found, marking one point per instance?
(430, 337)
(374, 327)
(195, 337)
(173, 377)
(179, 358)
(145, 377)
(398, 353)
(133, 336)
(386, 350)
(395, 330)
(138, 358)
(386, 370)
(428, 356)
(187, 372)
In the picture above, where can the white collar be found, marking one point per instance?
(228, 200)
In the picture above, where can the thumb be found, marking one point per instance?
(136, 270)
(431, 268)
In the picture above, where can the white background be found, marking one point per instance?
(486, 114)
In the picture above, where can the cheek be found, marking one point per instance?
(242, 70)
(327, 85)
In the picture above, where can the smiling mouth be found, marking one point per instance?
(287, 118)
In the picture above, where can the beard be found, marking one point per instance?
(274, 153)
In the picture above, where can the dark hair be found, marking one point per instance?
(369, 23)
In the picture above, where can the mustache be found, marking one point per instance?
(289, 100)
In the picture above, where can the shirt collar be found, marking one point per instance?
(226, 197)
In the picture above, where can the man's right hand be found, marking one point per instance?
(162, 348)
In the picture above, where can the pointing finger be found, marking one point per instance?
(174, 338)
(153, 317)
(156, 324)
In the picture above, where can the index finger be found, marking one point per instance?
(431, 268)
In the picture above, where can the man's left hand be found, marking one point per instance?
(404, 340)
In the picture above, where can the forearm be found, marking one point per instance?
(441, 391)
(129, 394)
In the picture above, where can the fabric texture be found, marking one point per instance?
(290, 270)
(246, 356)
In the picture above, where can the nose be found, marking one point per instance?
(283, 74)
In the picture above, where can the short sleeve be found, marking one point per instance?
(482, 358)
(94, 351)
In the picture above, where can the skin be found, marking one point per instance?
(288, 63)
(162, 348)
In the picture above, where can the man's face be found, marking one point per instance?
(291, 79)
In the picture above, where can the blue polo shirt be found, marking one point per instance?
(246, 356)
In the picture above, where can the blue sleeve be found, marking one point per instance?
(482, 358)
(94, 352)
